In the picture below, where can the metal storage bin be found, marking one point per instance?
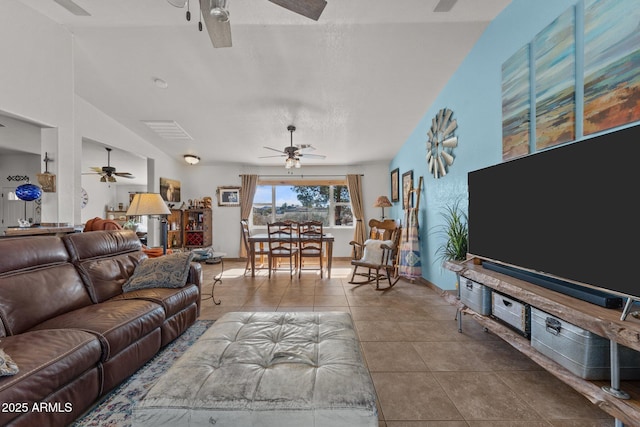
(475, 296)
(512, 312)
(583, 353)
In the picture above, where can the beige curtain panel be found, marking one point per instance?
(354, 183)
(249, 183)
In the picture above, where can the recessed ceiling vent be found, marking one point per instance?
(168, 129)
(444, 5)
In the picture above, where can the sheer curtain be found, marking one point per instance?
(354, 182)
(249, 183)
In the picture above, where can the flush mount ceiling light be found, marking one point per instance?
(160, 83)
(191, 159)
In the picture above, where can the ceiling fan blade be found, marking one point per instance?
(178, 3)
(312, 9)
(267, 157)
(72, 7)
(312, 156)
(96, 169)
(273, 149)
(124, 175)
(219, 31)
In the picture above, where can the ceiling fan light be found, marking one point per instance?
(103, 179)
(191, 159)
(297, 164)
(111, 179)
(288, 164)
(219, 10)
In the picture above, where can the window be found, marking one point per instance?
(327, 201)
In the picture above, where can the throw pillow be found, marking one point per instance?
(7, 365)
(169, 271)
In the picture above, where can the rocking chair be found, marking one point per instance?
(377, 255)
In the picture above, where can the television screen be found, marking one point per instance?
(568, 212)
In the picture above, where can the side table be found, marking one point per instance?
(216, 258)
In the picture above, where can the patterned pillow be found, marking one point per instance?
(7, 365)
(169, 271)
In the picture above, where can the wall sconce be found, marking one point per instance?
(47, 180)
(191, 159)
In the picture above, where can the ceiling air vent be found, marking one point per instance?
(167, 129)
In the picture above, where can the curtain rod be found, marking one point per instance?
(301, 176)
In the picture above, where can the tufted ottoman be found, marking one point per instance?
(267, 369)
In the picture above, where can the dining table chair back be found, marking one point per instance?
(257, 251)
(283, 243)
(311, 244)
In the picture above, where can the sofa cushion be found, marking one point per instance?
(169, 271)
(7, 366)
(117, 323)
(105, 260)
(172, 300)
(38, 282)
(48, 361)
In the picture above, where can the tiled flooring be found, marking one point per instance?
(425, 372)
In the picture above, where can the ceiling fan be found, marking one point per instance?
(108, 172)
(216, 15)
(294, 152)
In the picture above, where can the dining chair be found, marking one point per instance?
(256, 250)
(283, 237)
(310, 243)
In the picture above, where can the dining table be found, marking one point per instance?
(263, 238)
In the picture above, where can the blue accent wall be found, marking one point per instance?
(474, 94)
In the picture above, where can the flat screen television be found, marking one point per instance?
(566, 215)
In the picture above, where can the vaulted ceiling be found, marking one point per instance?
(355, 83)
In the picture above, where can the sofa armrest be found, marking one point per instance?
(195, 277)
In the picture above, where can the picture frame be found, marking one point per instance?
(407, 186)
(395, 185)
(228, 196)
(170, 190)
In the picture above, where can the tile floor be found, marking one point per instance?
(426, 373)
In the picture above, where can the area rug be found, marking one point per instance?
(115, 409)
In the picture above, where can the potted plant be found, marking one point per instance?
(455, 233)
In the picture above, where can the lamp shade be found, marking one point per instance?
(148, 204)
(382, 202)
(28, 192)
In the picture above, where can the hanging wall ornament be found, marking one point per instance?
(441, 138)
(47, 180)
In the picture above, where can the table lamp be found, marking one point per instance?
(382, 202)
(151, 204)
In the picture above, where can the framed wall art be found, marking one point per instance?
(170, 190)
(395, 185)
(228, 196)
(407, 185)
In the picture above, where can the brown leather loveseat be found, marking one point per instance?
(69, 327)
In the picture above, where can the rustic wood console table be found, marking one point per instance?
(599, 320)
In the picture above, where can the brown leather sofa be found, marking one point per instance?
(72, 332)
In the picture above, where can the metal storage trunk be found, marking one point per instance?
(512, 312)
(583, 353)
(475, 296)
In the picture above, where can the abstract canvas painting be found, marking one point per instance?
(516, 105)
(611, 64)
(554, 67)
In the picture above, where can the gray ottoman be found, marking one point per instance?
(267, 369)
